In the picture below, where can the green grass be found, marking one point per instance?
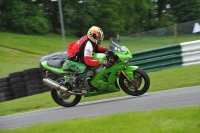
(13, 61)
(161, 80)
(45, 44)
(174, 120)
(136, 44)
(35, 44)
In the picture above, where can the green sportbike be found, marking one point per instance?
(115, 76)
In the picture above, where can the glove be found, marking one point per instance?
(103, 62)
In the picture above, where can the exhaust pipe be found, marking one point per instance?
(55, 85)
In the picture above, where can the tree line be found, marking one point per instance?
(113, 16)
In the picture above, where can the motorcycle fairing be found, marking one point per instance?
(107, 78)
(129, 71)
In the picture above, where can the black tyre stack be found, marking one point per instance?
(33, 81)
(17, 84)
(24, 83)
(5, 90)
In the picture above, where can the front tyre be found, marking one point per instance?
(65, 100)
(138, 86)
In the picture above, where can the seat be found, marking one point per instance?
(55, 63)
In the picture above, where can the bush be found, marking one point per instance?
(39, 25)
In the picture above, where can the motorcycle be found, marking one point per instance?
(115, 76)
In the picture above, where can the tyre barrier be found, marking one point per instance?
(24, 83)
(31, 77)
(5, 89)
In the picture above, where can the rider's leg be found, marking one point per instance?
(88, 74)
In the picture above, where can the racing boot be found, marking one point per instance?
(86, 84)
(85, 77)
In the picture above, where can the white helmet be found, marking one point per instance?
(95, 34)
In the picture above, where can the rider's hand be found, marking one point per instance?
(103, 62)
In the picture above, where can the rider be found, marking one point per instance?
(82, 52)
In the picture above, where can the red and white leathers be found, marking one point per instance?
(82, 50)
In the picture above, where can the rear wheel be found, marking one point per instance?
(138, 86)
(65, 100)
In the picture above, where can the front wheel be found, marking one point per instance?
(138, 86)
(65, 100)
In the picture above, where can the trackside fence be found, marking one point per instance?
(29, 82)
(183, 54)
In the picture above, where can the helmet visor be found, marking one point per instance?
(99, 39)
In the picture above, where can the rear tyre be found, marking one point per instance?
(65, 100)
(140, 84)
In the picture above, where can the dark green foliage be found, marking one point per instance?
(185, 10)
(113, 16)
(23, 17)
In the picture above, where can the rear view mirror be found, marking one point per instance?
(118, 38)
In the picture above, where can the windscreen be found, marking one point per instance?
(115, 47)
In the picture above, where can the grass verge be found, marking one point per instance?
(14, 61)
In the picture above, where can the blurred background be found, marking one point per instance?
(113, 16)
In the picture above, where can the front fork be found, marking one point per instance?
(127, 77)
(128, 74)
